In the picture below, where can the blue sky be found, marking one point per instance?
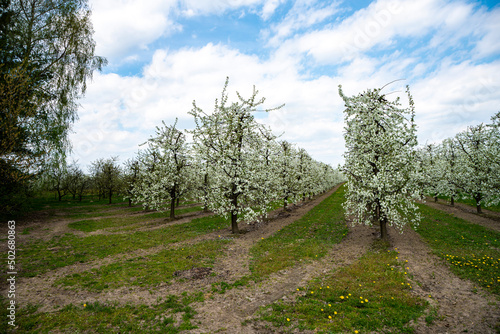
(163, 54)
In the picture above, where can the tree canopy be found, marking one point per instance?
(47, 56)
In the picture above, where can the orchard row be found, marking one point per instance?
(235, 166)
(465, 166)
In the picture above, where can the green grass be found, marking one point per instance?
(41, 256)
(89, 225)
(112, 317)
(308, 238)
(371, 295)
(472, 251)
(149, 271)
(471, 202)
(47, 201)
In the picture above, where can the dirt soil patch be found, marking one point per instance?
(459, 308)
(489, 219)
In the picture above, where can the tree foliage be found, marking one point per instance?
(47, 56)
(163, 170)
(234, 147)
(468, 165)
(106, 176)
(380, 160)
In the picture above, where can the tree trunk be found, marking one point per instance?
(435, 199)
(129, 202)
(110, 195)
(178, 201)
(452, 201)
(382, 222)
(234, 223)
(172, 207)
(285, 203)
(383, 229)
(478, 198)
(234, 214)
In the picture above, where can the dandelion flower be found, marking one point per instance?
(341, 297)
(329, 317)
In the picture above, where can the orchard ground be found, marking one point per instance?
(109, 268)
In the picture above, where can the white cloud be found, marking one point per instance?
(120, 112)
(381, 24)
(304, 14)
(122, 26)
(269, 8)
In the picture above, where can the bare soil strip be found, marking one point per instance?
(459, 309)
(489, 219)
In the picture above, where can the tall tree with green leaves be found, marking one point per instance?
(380, 160)
(47, 56)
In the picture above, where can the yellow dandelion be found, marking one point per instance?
(341, 297)
(335, 312)
(330, 305)
(287, 319)
(84, 305)
(366, 300)
(329, 317)
(312, 292)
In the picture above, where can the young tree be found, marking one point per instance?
(164, 172)
(76, 181)
(106, 174)
(57, 175)
(380, 160)
(230, 142)
(477, 164)
(131, 178)
(432, 170)
(288, 173)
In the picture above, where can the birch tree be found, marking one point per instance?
(380, 165)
